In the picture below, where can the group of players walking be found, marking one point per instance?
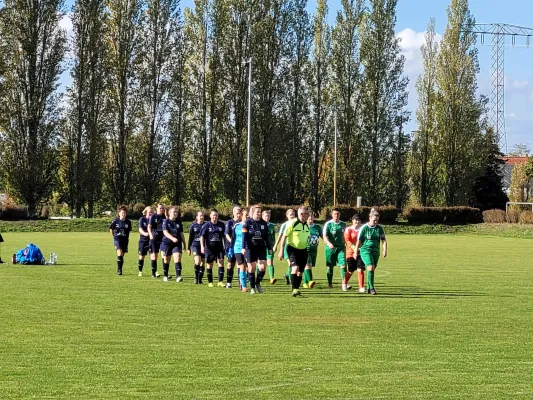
(248, 241)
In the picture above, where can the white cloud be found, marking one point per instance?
(520, 84)
(66, 24)
(410, 44)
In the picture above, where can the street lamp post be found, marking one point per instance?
(335, 162)
(248, 146)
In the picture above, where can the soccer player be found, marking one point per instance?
(255, 245)
(290, 214)
(212, 244)
(315, 232)
(353, 259)
(195, 247)
(155, 230)
(368, 244)
(334, 240)
(120, 229)
(272, 238)
(173, 242)
(144, 239)
(296, 236)
(228, 236)
(237, 250)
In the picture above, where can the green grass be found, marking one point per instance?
(452, 320)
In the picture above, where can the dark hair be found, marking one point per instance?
(123, 208)
(335, 210)
(178, 211)
(213, 210)
(356, 216)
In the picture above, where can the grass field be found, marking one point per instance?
(453, 319)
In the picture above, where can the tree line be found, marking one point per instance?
(157, 108)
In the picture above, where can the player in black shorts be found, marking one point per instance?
(144, 238)
(212, 244)
(120, 229)
(255, 242)
(173, 242)
(194, 247)
(155, 230)
(228, 241)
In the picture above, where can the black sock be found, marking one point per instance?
(200, 274)
(154, 266)
(177, 267)
(220, 274)
(260, 276)
(295, 282)
(229, 273)
(210, 275)
(251, 278)
(166, 266)
(141, 265)
(300, 277)
(120, 263)
(196, 268)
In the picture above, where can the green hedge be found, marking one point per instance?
(387, 214)
(443, 215)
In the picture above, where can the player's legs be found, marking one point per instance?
(351, 268)
(361, 274)
(330, 264)
(370, 260)
(144, 247)
(198, 268)
(341, 262)
(154, 252)
(119, 247)
(243, 272)
(177, 255)
(270, 266)
(289, 269)
(251, 262)
(230, 268)
(298, 260)
(166, 254)
(308, 271)
(220, 263)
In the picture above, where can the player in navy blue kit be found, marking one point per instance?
(144, 239)
(228, 235)
(155, 230)
(173, 242)
(255, 243)
(195, 248)
(120, 229)
(212, 244)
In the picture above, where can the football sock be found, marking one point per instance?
(166, 266)
(371, 279)
(329, 274)
(242, 279)
(141, 265)
(210, 275)
(299, 281)
(260, 276)
(347, 277)
(271, 271)
(229, 274)
(200, 274)
(251, 277)
(196, 268)
(220, 274)
(343, 272)
(307, 276)
(294, 281)
(288, 272)
(177, 266)
(154, 266)
(361, 278)
(120, 262)
(310, 274)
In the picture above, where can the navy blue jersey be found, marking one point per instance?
(175, 228)
(121, 229)
(213, 235)
(255, 234)
(156, 221)
(143, 224)
(229, 228)
(194, 234)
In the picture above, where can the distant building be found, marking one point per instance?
(510, 163)
(3, 197)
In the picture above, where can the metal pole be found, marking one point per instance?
(335, 164)
(249, 132)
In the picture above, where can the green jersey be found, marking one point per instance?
(335, 232)
(315, 232)
(271, 233)
(370, 237)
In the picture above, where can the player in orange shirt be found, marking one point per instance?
(353, 259)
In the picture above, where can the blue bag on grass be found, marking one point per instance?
(31, 255)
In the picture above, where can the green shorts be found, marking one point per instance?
(270, 255)
(311, 257)
(335, 256)
(370, 257)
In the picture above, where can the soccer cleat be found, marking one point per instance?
(330, 286)
(273, 280)
(312, 284)
(196, 281)
(368, 290)
(295, 293)
(362, 290)
(259, 288)
(287, 279)
(252, 291)
(306, 286)
(349, 287)
(140, 273)
(165, 279)
(119, 272)
(344, 287)
(228, 285)
(179, 279)
(373, 291)
(210, 285)
(220, 284)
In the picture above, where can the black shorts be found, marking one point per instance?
(170, 248)
(121, 244)
(196, 251)
(144, 247)
(155, 246)
(254, 255)
(355, 263)
(239, 258)
(212, 256)
(297, 257)
(231, 259)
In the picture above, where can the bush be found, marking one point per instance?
(189, 210)
(443, 215)
(526, 217)
(136, 211)
(513, 215)
(494, 216)
(9, 211)
(387, 214)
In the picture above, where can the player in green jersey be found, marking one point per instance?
(370, 235)
(315, 232)
(333, 235)
(270, 253)
(290, 214)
